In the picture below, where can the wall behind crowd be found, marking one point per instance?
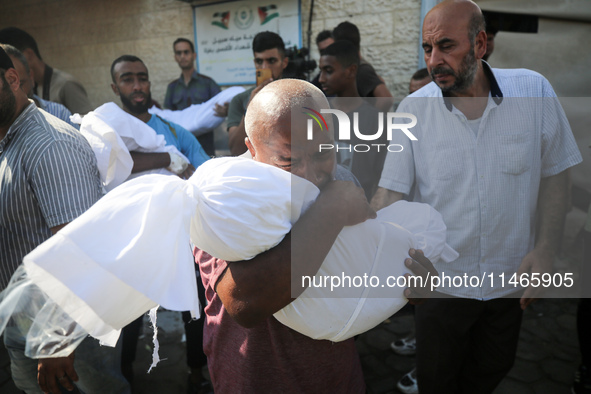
(83, 37)
(389, 34)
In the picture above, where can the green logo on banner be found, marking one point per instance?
(243, 18)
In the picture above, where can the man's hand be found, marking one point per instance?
(259, 87)
(188, 172)
(552, 202)
(221, 110)
(281, 267)
(536, 261)
(50, 371)
(421, 266)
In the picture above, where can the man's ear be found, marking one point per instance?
(285, 61)
(352, 71)
(12, 79)
(480, 44)
(250, 147)
(115, 89)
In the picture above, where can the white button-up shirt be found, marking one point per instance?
(485, 184)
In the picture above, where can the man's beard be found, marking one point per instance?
(137, 108)
(7, 104)
(188, 66)
(465, 76)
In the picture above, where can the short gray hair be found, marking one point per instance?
(13, 52)
(476, 25)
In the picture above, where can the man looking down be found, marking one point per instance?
(247, 348)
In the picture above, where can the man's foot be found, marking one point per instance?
(408, 383)
(405, 347)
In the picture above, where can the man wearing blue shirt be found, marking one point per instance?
(131, 83)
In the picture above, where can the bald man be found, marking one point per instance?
(494, 173)
(248, 350)
(48, 178)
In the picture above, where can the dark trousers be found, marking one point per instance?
(206, 141)
(464, 345)
(584, 312)
(193, 332)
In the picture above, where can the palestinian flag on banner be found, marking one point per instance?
(267, 13)
(221, 19)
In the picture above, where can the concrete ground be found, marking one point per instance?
(546, 358)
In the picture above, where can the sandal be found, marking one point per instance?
(405, 347)
(408, 384)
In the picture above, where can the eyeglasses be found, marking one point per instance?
(185, 52)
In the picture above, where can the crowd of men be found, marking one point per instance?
(504, 213)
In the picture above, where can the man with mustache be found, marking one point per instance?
(26, 76)
(492, 156)
(48, 177)
(132, 84)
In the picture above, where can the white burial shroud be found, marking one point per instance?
(112, 133)
(199, 118)
(129, 253)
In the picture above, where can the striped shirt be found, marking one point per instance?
(485, 184)
(48, 177)
(56, 109)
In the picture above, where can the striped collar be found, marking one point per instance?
(13, 129)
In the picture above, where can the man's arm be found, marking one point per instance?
(384, 98)
(253, 290)
(552, 204)
(189, 146)
(384, 197)
(237, 134)
(168, 104)
(370, 84)
(235, 121)
(66, 184)
(418, 263)
(50, 371)
(149, 161)
(381, 91)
